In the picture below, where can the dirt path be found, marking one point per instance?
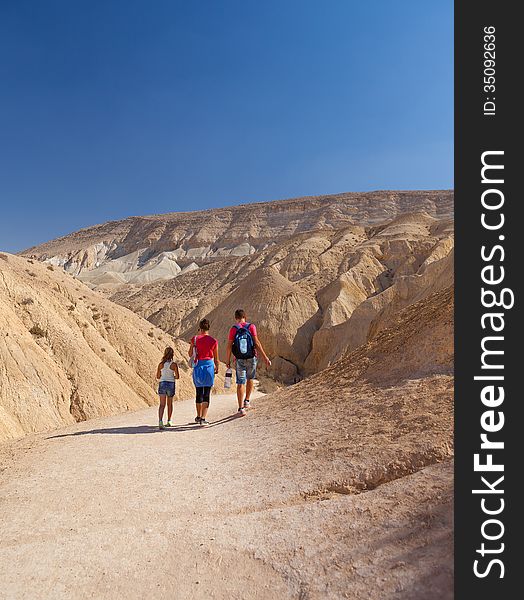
(113, 508)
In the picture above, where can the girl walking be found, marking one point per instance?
(167, 372)
(204, 352)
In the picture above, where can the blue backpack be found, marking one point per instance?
(243, 344)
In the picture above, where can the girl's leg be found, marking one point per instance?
(161, 407)
(205, 400)
(169, 407)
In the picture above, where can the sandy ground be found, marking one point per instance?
(114, 508)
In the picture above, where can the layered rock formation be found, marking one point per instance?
(319, 276)
(67, 354)
(193, 238)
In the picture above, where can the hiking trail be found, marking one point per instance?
(115, 508)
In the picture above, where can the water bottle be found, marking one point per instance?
(228, 378)
(243, 345)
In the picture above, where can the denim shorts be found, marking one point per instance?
(166, 388)
(246, 368)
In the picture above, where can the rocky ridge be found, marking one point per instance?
(320, 275)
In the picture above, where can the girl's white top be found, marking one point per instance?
(167, 373)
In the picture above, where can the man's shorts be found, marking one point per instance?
(246, 368)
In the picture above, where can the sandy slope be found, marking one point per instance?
(70, 352)
(113, 508)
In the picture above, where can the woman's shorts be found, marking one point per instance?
(166, 388)
(245, 368)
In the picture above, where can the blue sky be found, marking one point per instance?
(115, 108)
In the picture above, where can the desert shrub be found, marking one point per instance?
(150, 334)
(37, 331)
(96, 316)
(27, 301)
(102, 349)
(50, 268)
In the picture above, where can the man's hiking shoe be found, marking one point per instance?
(204, 422)
(241, 412)
(161, 425)
(198, 419)
(246, 403)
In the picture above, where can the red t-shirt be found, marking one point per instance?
(205, 345)
(233, 330)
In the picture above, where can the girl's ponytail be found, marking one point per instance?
(168, 354)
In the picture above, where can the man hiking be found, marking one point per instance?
(245, 346)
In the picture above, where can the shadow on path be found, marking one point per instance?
(110, 430)
(139, 429)
(224, 420)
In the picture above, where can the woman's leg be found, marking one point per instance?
(162, 406)
(205, 400)
(169, 407)
(199, 396)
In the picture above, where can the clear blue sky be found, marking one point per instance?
(115, 108)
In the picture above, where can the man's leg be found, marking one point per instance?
(240, 394)
(240, 371)
(251, 373)
(249, 388)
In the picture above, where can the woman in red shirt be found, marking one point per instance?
(204, 352)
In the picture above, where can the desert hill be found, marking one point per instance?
(313, 296)
(67, 354)
(193, 237)
(381, 412)
(320, 276)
